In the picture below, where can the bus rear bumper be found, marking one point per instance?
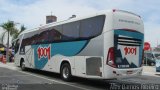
(123, 73)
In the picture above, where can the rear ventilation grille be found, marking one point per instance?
(129, 41)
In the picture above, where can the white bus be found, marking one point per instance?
(105, 45)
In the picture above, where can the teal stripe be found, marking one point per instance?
(63, 48)
(136, 35)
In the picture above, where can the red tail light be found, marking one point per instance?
(110, 58)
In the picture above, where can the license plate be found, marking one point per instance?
(129, 72)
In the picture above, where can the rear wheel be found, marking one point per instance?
(66, 72)
(23, 65)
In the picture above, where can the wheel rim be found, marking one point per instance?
(65, 72)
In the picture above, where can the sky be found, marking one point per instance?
(32, 13)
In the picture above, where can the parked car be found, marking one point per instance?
(149, 59)
(157, 55)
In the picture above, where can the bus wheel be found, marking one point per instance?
(23, 65)
(66, 72)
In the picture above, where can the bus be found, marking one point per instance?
(104, 45)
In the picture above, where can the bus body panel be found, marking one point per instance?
(80, 66)
(125, 62)
(58, 55)
(108, 42)
(127, 20)
(87, 57)
(17, 50)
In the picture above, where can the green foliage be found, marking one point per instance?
(9, 26)
(19, 31)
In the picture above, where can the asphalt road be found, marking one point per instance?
(15, 79)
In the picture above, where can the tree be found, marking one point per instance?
(10, 28)
(19, 31)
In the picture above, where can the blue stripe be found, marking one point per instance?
(63, 48)
(136, 35)
(67, 48)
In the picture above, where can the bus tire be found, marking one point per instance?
(66, 72)
(22, 65)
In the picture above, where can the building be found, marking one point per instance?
(50, 19)
(3, 40)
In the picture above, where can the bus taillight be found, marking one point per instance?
(110, 58)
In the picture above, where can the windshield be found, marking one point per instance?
(157, 56)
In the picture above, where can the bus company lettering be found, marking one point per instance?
(129, 50)
(44, 52)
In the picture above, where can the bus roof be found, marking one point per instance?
(103, 12)
(65, 21)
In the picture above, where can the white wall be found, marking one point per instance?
(4, 41)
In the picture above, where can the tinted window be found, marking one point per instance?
(17, 45)
(92, 26)
(42, 36)
(55, 34)
(71, 31)
(78, 30)
(30, 38)
(57, 28)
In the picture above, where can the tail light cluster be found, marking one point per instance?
(110, 58)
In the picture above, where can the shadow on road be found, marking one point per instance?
(99, 84)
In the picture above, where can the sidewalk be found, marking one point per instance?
(9, 65)
(150, 70)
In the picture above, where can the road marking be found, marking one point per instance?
(55, 81)
(11, 67)
(14, 76)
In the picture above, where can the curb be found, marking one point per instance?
(9, 66)
(151, 74)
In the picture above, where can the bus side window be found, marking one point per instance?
(91, 27)
(71, 31)
(17, 46)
